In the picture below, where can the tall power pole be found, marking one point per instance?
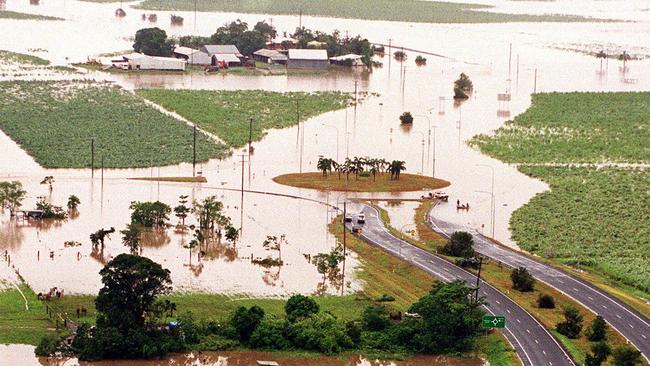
(92, 158)
(194, 151)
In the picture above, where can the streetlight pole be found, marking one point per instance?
(422, 167)
(433, 172)
(337, 140)
(491, 190)
(194, 151)
(429, 137)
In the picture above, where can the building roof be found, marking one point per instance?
(181, 50)
(220, 49)
(273, 55)
(349, 56)
(279, 40)
(308, 54)
(227, 57)
(316, 44)
(132, 56)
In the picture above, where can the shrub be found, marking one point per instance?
(375, 318)
(599, 353)
(472, 262)
(385, 298)
(522, 280)
(48, 345)
(299, 306)
(546, 301)
(572, 324)
(244, 321)
(271, 334)
(626, 356)
(597, 330)
(217, 343)
(460, 244)
(320, 332)
(406, 118)
(400, 55)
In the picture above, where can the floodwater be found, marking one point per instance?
(24, 356)
(372, 129)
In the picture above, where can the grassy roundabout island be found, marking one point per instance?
(381, 183)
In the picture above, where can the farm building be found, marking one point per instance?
(308, 59)
(270, 57)
(282, 43)
(347, 60)
(226, 60)
(225, 53)
(138, 61)
(192, 56)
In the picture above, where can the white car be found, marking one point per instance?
(348, 218)
(361, 218)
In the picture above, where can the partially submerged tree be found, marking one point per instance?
(49, 180)
(73, 202)
(11, 196)
(131, 238)
(406, 118)
(182, 210)
(149, 214)
(153, 42)
(463, 86)
(99, 236)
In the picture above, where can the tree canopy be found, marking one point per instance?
(153, 42)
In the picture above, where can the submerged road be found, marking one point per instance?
(533, 343)
(630, 323)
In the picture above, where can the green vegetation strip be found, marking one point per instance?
(381, 183)
(19, 325)
(20, 58)
(575, 128)
(55, 122)
(6, 14)
(394, 10)
(591, 218)
(227, 113)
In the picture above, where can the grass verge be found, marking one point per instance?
(19, 325)
(227, 114)
(382, 183)
(405, 11)
(6, 14)
(56, 121)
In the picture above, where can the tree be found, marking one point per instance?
(400, 55)
(406, 118)
(545, 301)
(245, 321)
(299, 307)
(153, 42)
(464, 83)
(396, 167)
(49, 180)
(274, 243)
(449, 320)
(375, 318)
(181, 211)
(625, 57)
(601, 55)
(100, 235)
(207, 212)
(599, 353)
(131, 238)
(597, 330)
(572, 324)
(522, 280)
(237, 33)
(198, 240)
(626, 356)
(324, 165)
(327, 264)
(460, 244)
(149, 214)
(50, 211)
(232, 234)
(131, 286)
(267, 30)
(11, 196)
(73, 202)
(420, 61)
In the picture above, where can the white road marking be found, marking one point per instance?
(518, 321)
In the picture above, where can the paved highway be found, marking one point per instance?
(534, 345)
(633, 325)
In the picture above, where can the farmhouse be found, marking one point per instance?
(225, 54)
(192, 56)
(138, 61)
(308, 59)
(270, 57)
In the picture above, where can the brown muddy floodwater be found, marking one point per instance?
(479, 50)
(24, 356)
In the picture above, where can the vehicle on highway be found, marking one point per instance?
(361, 218)
(348, 218)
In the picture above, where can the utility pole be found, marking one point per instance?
(389, 54)
(478, 278)
(433, 173)
(194, 14)
(250, 135)
(510, 62)
(344, 245)
(535, 85)
(92, 158)
(517, 82)
(241, 204)
(300, 19)
(102, 170)
(194, 151)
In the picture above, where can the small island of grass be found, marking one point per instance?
(380, 183)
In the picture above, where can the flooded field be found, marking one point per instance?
(434, 144)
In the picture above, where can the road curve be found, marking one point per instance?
(533, 343)
(630, 323)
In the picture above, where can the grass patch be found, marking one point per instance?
(8, 57)
(382, 183)
(227, 113)
(498, 351)
(575, 128)
(55, 122)
(576, 353)
(394, 10)
(19, 325)
(6, 14)
(174, 179)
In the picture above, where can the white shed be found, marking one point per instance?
(144, 62)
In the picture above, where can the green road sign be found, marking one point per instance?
(490, 321)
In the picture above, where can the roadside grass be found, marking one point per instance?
(498, 276)
(227, 114)
(6, 14)
(392, 10)
(19, 325)
(174, 179)
(382, 183)
(575, 128)
(55, 121)
(498, 351)
(20, 58)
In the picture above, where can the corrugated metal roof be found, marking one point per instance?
(219, 49)
(307, 54)
(349, 56)
(273, 55)
(228, 57)
(185, 50)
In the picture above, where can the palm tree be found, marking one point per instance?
(232, 234)
(601, 55)
(396, 168)
(131, 238)
(324, 165)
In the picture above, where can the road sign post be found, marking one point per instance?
(491, 322)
